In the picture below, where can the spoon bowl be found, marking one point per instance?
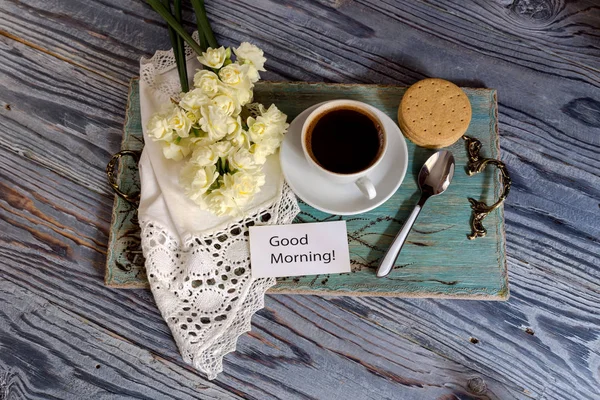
(436, 174)
(434, 178)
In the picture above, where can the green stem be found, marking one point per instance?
(172, 33)
(202, 21)
(201, 36)
(175, 39)
(180, 55)
(159, 8)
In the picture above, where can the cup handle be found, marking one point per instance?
(366, 187)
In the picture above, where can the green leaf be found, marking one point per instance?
(201, 36)
(179, 52)
(203, 24)
(197, 132)
(176, 141)
(170, 19)
(216, 184)
(175, 39)
(220, 167)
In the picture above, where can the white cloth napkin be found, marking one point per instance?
(198, 264)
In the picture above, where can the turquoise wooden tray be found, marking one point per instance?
(437, 261)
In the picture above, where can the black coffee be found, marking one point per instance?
(344, 140)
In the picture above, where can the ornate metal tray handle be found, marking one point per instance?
(476, 165)
(132, 199)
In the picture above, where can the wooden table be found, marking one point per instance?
(65, 66)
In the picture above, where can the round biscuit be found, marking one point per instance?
(434, 113)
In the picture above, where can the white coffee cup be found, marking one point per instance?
(360, 178)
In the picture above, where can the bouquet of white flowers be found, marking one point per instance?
(221, 137)
(209, 144)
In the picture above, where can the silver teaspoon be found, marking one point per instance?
(434, 178)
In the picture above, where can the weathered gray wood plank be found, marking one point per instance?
(49, 352)
(63, 74)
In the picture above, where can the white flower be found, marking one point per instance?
(180, 122)
(243, 185)
(214, 58)
(197, 180)
(216, 123)
(239, 137)
(227, 101)
(237, 191)
(241, 159)
(253, 74)
(203, 156)
(207, 81)
(176, 151)
(193, 116)
(257, 130)
(220, 202)
(274, 116)
(244, 96)
(235, 76)
(240, 91)
(200, 141)
(159, 128)
(260, 129)
(265, 148)
(222, 148)
(250, 54)
(270, 124)
(193, 100)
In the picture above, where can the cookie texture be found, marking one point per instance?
(434, 113)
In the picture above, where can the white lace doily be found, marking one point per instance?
(155, 71)
(203, 286)
(201, 281)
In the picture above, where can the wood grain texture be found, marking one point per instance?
(63, 79)
(125, 259)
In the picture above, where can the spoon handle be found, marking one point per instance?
(387, 263)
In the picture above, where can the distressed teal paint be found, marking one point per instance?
(125, 262)
(437, 261)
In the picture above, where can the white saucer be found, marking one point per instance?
(342, 199)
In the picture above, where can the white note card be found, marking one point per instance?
(299, 249)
